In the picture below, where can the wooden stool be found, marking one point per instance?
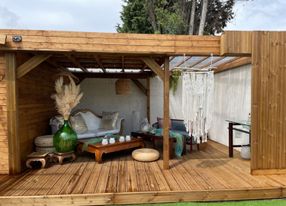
(61, 156)
(37, 157)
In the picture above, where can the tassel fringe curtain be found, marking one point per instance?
(197, 103)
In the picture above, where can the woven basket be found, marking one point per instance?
(122, 86)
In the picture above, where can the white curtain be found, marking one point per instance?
(197, 103)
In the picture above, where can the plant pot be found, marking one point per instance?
(65, 139)
(245, 152)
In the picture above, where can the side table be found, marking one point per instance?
(60, 157)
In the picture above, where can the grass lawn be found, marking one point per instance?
(236, 203)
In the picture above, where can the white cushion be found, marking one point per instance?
(92, 122)
(145, 154)
(102, 132)
(87, 134)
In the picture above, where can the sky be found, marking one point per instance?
(104, 15)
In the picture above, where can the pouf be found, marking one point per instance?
(145, 155)
(44, 141)
(45, 149)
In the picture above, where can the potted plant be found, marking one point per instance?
(67, 96)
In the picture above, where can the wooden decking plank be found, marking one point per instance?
(113, 176)
(132, 184)
(202, 177)
(169, 177)
(65, 178)
(142, 177)
(94, 177)
(122, 175)
(39, 180)
(161, 181)
(104, 177)
(84, 178)
(21, 187)
(74, 180)
(152, 182)
(53, 180)
(190, 179)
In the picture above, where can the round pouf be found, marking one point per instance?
(44, 143)
(145, 155)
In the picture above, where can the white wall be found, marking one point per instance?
(99, 95)
(232, 101)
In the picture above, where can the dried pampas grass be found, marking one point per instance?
(67, 96)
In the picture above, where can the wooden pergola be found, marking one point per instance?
(135, 56)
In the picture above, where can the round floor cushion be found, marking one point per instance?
(45, 149)
(145, 155)
(44, 141)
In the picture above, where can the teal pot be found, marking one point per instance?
(65, 139)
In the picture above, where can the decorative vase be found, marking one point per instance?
(65, 139)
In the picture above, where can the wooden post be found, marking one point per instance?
(148, 99)
(13, 140)
(166, 149)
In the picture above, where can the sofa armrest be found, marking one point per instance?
(119, 125)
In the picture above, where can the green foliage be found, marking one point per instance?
(134, 16)
(172, 16)
(174, 79)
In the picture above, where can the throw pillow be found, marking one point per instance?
(109, 120)
(160, 122)
(78, 124)
(92, 121)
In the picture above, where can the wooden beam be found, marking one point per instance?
(12, 114)
(236, 43)
(154, 66)
(170, 59)
(30, 64)
(233, 63)
(75, 62)
(166, 148)
(198, 62)
(3, 39)
(212, 62)
(98, 61)
(141, 75)
(110, 43)
(148, 99)
(140, 86)
(122, 63)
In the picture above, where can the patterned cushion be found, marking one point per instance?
(78, 124)
(109, 120)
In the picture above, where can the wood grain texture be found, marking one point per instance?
(166, 117)
(4, 151)
(268, 103)
(236, 62)
(35, 106)
(207, 175)
(112, 42)
(236, 43)
(12, 115)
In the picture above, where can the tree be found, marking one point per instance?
(175, 16)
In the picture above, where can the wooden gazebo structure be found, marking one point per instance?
(135, 56)
(29, 61)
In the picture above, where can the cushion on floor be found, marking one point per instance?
(145, 154)
(44, 141)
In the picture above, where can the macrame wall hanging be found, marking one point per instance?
(197, 100)
(197, 103)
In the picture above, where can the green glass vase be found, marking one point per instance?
(65, 139)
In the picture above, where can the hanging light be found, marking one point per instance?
(122, 87)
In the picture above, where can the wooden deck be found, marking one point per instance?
(207, 175)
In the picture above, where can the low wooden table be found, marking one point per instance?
(100, 149)
(37, 157)
(60, 157)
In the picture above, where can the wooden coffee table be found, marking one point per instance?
(100, 149)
